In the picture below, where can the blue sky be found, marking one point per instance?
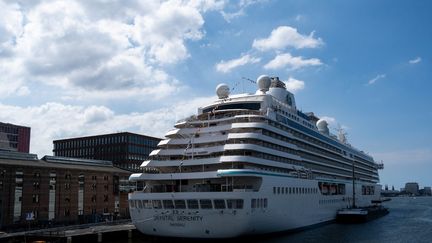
(73, 68)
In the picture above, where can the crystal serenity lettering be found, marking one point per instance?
(177, 218)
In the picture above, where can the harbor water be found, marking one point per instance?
(409, 220)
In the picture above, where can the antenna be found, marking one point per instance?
(248, 79)
(342, 134)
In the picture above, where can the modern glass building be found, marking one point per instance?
(126, 150)
(14, 138)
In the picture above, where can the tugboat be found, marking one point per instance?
(356, 214)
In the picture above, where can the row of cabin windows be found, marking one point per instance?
(330, 201)
(315, 148)
(259, 203)
(368, 190)
(331, 188)
(293, 117)
(189, 204)
(294, 190)
(285, 127)
(309, 135)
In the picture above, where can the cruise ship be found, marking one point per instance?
(249, 164)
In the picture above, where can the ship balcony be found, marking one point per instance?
(206, 138)
(231, 180)
(199, 188)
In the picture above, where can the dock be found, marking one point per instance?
(74, 233)
(360, 214)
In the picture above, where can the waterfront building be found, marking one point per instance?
(427, 191)
(389, 193)
(412, 188)
(59, 190)
(14, 137)
(126, 150)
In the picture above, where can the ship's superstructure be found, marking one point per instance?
(249, 164)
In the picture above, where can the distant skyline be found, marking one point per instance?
(79, 68)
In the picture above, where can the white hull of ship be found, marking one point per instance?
(284, 212)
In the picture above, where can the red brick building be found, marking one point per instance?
(14, 137)
(60, 190)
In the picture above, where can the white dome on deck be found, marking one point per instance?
(264, 83)
(222, 91)
(322, 126)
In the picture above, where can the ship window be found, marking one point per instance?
(139, 203)
(157, 204)
(206, 204)
(235, 203)
(243, 106)
(219, 204)
(253, 203)
(179, 204)
(265, 202)
(192, 204)
(168, 204)
(274, 190)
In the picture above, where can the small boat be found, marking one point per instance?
(356, 214)
(361, 214)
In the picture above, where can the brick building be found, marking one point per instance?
(126, 150)
(14, 137)
(60, 190)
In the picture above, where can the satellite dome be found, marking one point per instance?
(263, 82)
(222, 91)
(322, 126)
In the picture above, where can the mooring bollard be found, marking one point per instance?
(129, 234)
(69, 239)
(99, 237)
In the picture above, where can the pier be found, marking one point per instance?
(74, 233)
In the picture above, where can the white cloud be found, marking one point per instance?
(286, 36)
(164, 31)
(294, 85)
(378, 77)
(97, 114)
(330, 120)
(52, 121)
(299, 17)
(23, 91)
(227, 66)
(241, 9)
(415, 60)
(11, 20)
(285, 59)
(230, 16)
(82, 46)
(335, 125)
